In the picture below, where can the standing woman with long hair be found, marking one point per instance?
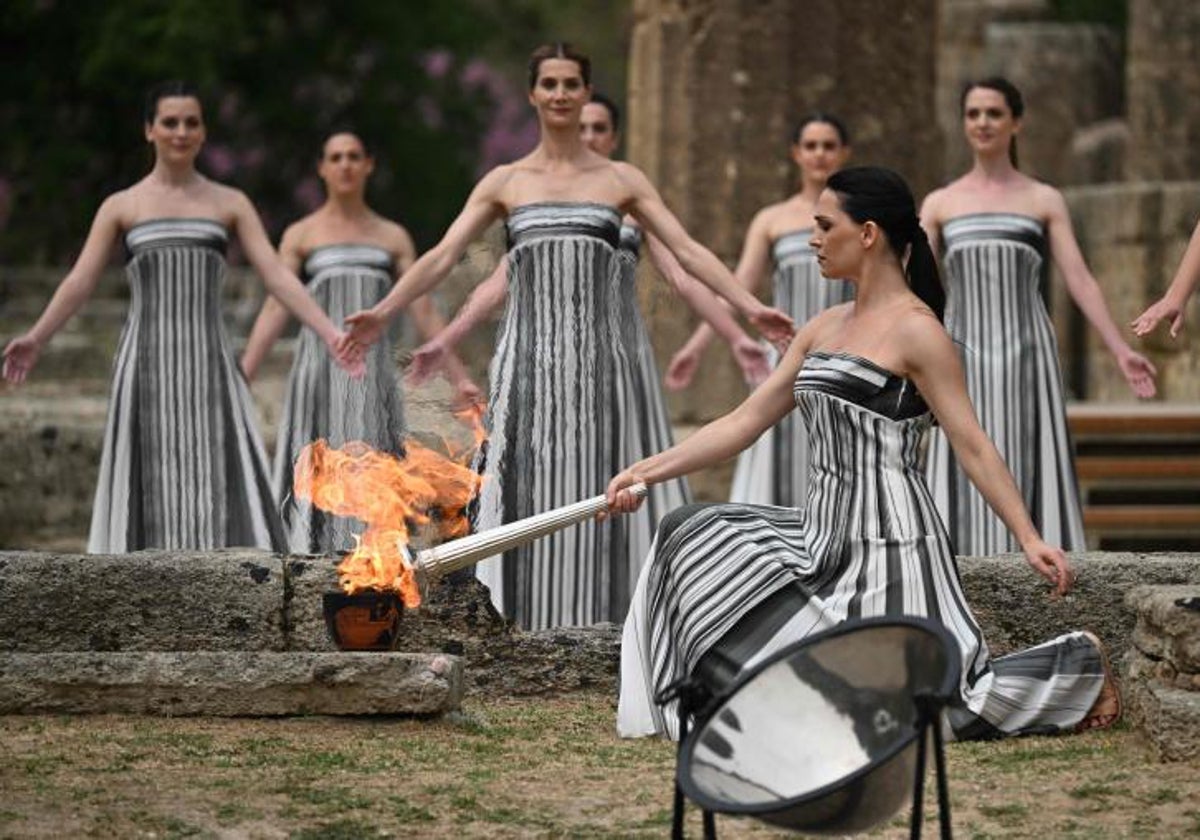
(349, 256)
(555, 380)
(600, 124)
(183, 465)
(996, 225)
(730, 584)
(775, 470)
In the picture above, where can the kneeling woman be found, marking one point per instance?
(733, 583)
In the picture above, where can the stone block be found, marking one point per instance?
(1163, 89)
(1168, 717)
(229, 684)
(228, 600)
(1166, 631)
(1098, 153)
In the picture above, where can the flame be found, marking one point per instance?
(390, 495)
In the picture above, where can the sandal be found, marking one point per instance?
(1106, 711)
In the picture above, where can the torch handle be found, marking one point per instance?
(467, 551)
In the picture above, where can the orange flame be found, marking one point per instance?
(390, 495)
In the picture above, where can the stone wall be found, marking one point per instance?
(1133, 236)
(1163, 90)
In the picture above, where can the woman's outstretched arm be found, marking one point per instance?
(22, 352)
(726, 436)
(648, 208)
(273, 317)
(482, 208)
(1136, 368)
(933, 365)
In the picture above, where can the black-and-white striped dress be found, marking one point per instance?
(994, 310)
(183, 466)
(559, 426)
(750, 579)
(774, 471)
(644, 397)
(323, 401)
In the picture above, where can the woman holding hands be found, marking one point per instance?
(557, 427)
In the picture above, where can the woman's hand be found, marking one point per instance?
(348, 355)
(682, 368)
(1050, 563)
(1139, 372)
(467, 395)
(775, 325)
(754, 359)
(427, 360)
(620, 498)
(20, 355)
(1163, 309)
(364, 328)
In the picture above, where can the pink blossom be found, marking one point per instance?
(219, 160)
(437, 63)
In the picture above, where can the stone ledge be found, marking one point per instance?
(230, 684)
(148, 600)
(1017, 610)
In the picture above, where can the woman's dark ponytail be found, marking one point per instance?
(879, 195)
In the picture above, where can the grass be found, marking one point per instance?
(545, 768)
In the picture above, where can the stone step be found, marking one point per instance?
(230, 683)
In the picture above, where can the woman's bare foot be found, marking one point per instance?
(1106, 711)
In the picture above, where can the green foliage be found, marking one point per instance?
(1112, 13)
(277, 76)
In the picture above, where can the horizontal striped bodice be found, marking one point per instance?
(973, 229)
(792, 246)
(348, 256)
(557, 219)
(176, 271)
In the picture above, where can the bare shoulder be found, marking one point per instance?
(297, 233)
(922, 337)
(1048, 200)
(629, 175)
(934, 204)
(399, 240)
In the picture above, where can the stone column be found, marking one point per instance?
(714, 90)
(1163, 90)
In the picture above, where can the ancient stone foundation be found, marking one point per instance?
(1163, 669)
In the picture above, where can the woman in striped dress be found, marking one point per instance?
(183, 466)
(555, 419)
(774, 470)
(996, 226)
(643, 396)
(349, 256)
(730, 584)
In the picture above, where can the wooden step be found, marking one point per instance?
(1094, 468)
(1134, 420)
(1142, 518)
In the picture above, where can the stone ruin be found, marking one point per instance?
(1162, 692)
